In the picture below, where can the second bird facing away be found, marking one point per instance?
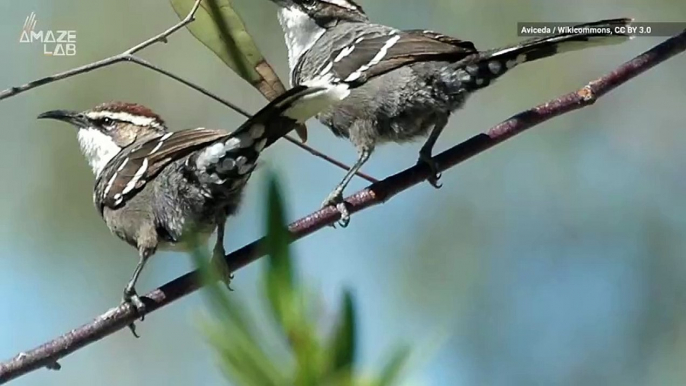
(402, 85)
(153, 186)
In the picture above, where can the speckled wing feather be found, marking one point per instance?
(375, 54)
(128, 172)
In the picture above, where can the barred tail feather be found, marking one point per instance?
(231, 159)
(539, 48)
(480, 70)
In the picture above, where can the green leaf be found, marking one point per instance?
(287, 299)
(241, 360)
(221, 29)
(391, 372)
(281, 287)
(342, 347)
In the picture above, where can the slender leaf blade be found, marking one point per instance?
(391, 372)
(281, 286)
(219, 27)
(342, 346)
(243, 359)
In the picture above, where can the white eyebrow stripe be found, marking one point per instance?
(137, 120)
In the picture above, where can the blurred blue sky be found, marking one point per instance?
(554, 259)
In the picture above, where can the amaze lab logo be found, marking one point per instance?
(55, 43)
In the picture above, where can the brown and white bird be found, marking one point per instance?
(403, 84)
(154, 186)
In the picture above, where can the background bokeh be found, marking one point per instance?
(555, 259)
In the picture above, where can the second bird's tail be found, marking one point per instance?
(484, 67)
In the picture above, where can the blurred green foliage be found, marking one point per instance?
(314, 358)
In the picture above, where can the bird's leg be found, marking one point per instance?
(336, 196)
(130, 295)
(427, 149)
(218, 260)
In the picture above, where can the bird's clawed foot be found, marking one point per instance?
(425, 158)
(336, 199)
(219, 263)
(132, 298)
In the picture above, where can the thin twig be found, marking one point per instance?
(119, 317)
(162, 38)
(124, 56)
(325, 157)
(185, 82)
(128, 56)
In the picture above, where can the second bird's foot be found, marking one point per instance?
(435, 174)
(132, 298)
(336, 199)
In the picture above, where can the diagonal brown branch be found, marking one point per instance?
(119, 317)
(128, 56)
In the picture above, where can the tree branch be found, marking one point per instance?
(121, 316)
(128, 56)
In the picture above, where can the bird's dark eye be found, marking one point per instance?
(106, 121)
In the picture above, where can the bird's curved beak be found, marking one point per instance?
(75, 118)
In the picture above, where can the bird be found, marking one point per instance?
(155, 187)
(402, 85)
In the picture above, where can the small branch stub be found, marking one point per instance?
(587, 94)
